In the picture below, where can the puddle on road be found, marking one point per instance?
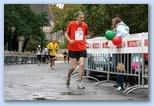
(130, 99)
(70, 93)
(46, 98)
(23, 85)
(40, 98)
(35, 95)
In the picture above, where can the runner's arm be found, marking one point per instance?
(68, 39)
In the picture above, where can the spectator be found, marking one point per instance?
(121, 29)
(39, 53)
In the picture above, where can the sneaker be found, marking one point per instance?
(80, 85)
(119, 88)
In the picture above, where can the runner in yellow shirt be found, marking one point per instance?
(53, 49)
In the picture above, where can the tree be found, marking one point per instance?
(135, 15)
(62, 17)
(25, 22)
(98, 17)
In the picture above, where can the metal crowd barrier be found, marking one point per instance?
(104, 59)
(106, 63)
(11, 57)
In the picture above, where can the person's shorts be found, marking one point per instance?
(52, 57)
(39, 57)
(146, 62)
(78, 54)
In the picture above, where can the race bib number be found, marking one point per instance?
(79, 34)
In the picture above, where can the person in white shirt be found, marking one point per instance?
(122, 30)
(39, 53)
(119, 27)
(45, 54)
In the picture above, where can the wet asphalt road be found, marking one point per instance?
(33, 82)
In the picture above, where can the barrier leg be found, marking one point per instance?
(137, 87)
(106, 81)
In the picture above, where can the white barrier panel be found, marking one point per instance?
(135, 43)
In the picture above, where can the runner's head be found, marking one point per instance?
(54, 40)
(79, 16)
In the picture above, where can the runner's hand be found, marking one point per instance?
(87, 45)
(71, 41)
(50, 49)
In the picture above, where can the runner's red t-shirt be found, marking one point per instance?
(77, 32)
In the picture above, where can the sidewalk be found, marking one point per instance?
(33, 82)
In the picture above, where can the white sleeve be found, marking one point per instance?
(122, 30)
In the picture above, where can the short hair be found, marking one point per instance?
(79, 13)
(117, 20)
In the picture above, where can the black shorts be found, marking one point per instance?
(78, 54)
(52, 57)
(146, 62)
(39, 57)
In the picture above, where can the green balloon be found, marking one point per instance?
(109, 34)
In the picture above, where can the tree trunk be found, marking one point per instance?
(15, 43)
(10, 43)
(25, 43)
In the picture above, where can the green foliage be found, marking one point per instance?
(33, 43)
(64, 16)
(63, 45)
(98, 17)
(25, 21)
(134, 15)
